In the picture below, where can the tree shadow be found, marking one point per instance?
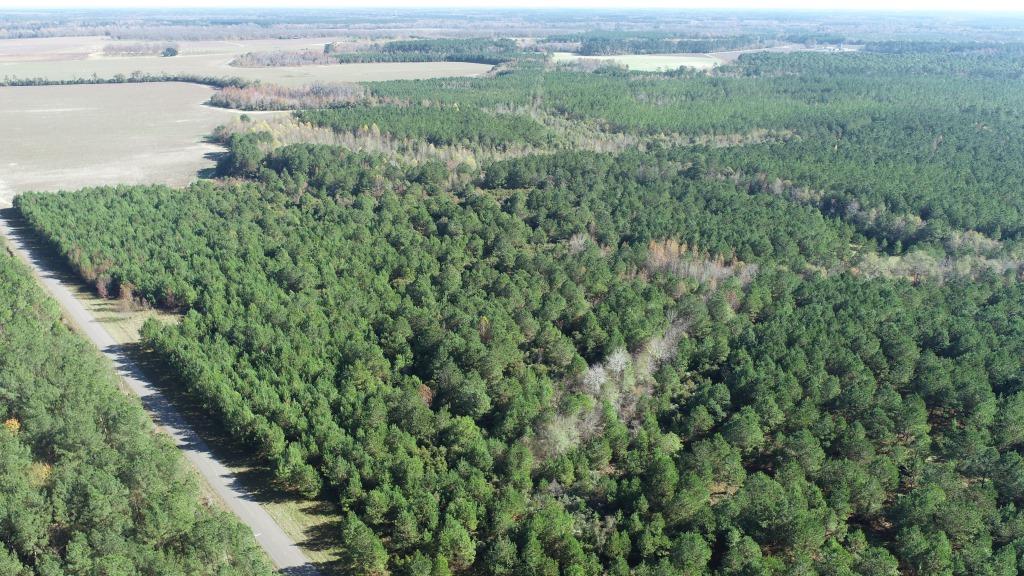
(215, 157)
(45, 255)
(306, 570)
(323, 536)
(251, 477)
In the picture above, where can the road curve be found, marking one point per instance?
(283, 552)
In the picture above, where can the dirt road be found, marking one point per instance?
(283, 552)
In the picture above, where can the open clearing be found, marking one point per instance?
(82, 58)
(67, 137)
(648, 62)
(656, 62)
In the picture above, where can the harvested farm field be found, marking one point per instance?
(66, 137)
(64, 59)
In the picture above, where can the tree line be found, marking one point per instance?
(87, 486)
(479, 50)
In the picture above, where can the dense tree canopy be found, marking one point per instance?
(886, 141)
(86, 487)
(481, 50)
(664, 359)
(600, 43)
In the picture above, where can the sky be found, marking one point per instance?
(888, 5)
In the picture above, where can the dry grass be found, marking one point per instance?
(285, 130)
(685, 262)
(122, 322)
(312, 524)
(919, 265)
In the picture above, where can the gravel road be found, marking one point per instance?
(283, 552)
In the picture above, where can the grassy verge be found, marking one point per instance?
(313, 524)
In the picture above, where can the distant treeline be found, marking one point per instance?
(141, 49)
(812, 38)
(275, 58)
(198, 30)
(479, 50)
(273, 97)
(134, 77)
(608, 44)
(235, 93)
(928, 47)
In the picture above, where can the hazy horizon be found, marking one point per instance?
(861, 6)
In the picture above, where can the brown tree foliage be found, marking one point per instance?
(272, 97)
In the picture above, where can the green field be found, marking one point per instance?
(648, 62)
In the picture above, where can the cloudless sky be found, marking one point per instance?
(902, 5)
